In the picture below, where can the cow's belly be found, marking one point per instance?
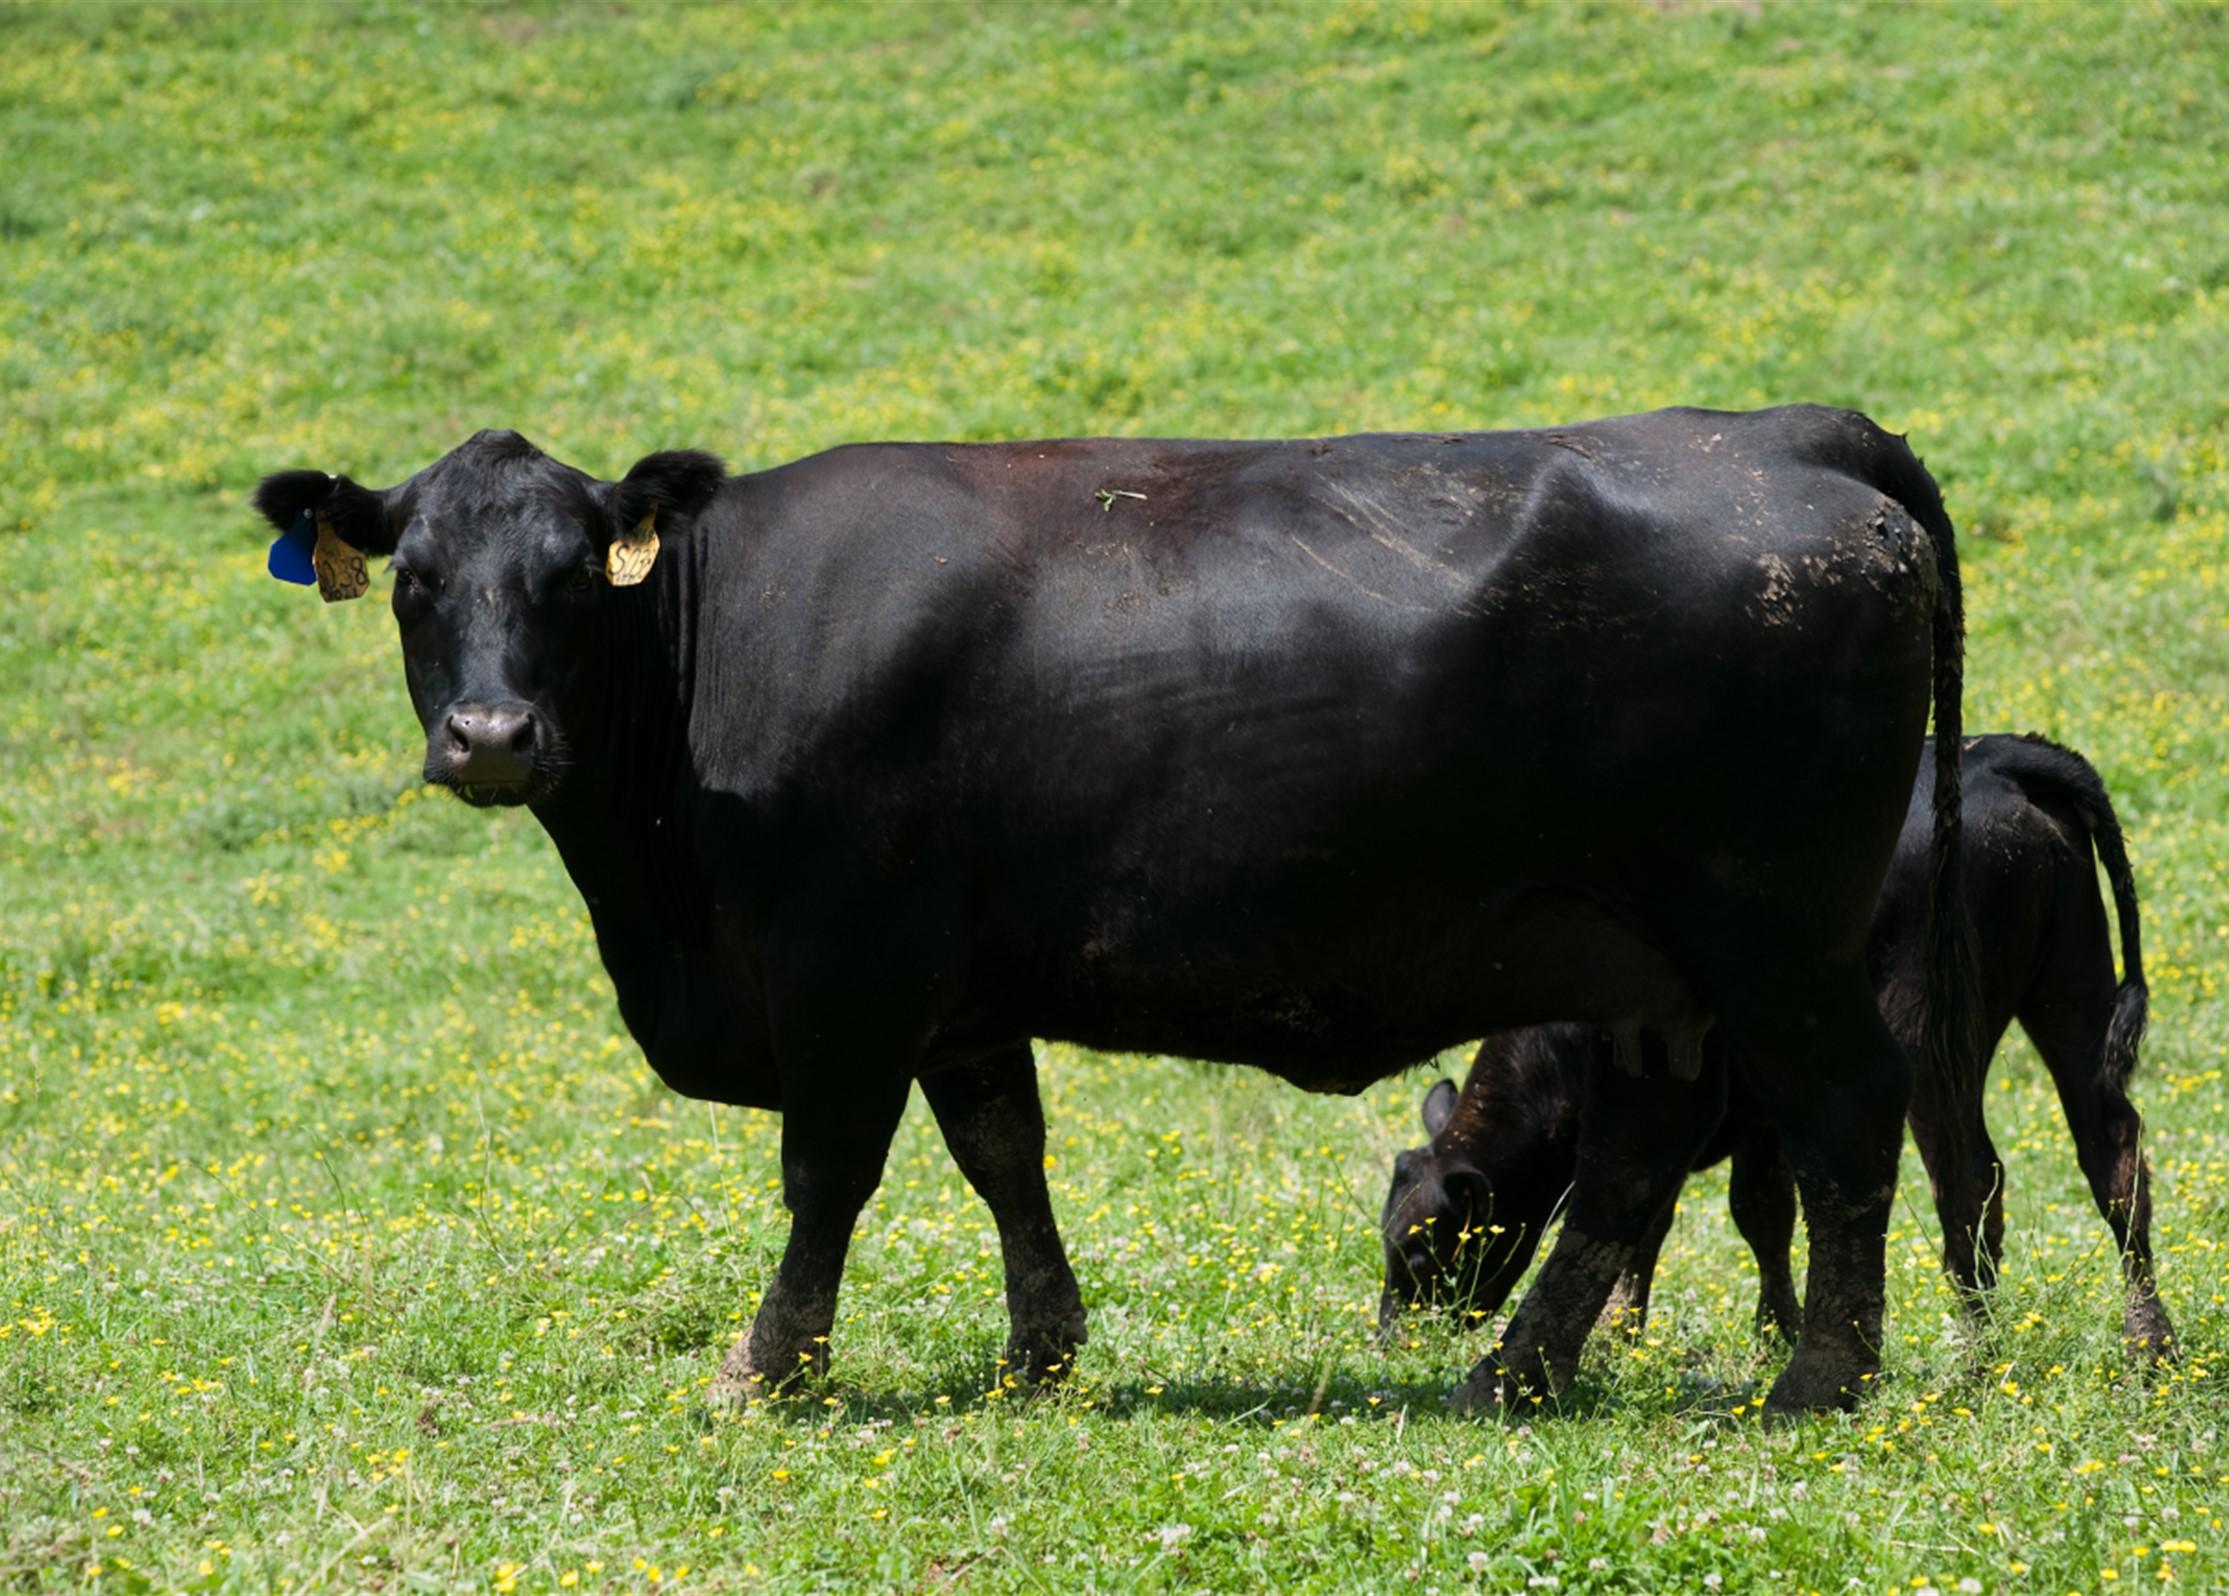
(1344, 1004)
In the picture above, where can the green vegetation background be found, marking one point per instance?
(345, 1242)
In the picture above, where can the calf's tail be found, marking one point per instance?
(2132, 1003)
(2073, 780)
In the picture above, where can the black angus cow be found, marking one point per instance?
(1466, 1212)
(1317, 756)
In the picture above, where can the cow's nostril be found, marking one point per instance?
(522, 739)
(460, 733)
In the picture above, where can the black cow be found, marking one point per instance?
(1317, 756)
(1466, 1212)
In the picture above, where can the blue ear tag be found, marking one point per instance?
(290, 551)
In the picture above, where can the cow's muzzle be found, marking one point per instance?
(486, 753)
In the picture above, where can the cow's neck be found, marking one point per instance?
(637, 832)
(622, 818)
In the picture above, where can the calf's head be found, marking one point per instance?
(508, 565)
(1465, 1211)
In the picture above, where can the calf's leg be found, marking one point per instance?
(994, 1124)
(1761, 1194)
(1973, 1219)
(2069, 1032)
(1627, 1311)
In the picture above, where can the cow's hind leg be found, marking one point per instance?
(1836, 1085)
(994, 1124)
(834, 1144)
(1637, 1141)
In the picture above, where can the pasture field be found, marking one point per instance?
(345, 1240)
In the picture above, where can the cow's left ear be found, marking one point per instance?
(662, 490)
(327, 525)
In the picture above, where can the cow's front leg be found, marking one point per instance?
(1637, 1141)
(994, 1124)
(835, 1137)
(1835, 1084)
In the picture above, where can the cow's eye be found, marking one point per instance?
(412, 591)
(581, 584)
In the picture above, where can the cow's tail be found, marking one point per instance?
(1950, 1066)
(2064, 774)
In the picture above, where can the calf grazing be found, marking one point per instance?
(1466, 1212)
(1317, 756)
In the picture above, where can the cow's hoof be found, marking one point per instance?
(1036, 1360)
(730, 1393)
(1496, 1386)
(739, 1382)
(742, 1380)
(1818, 1382)
(2147, 1334)
(1480, 1392)
(731, 1396)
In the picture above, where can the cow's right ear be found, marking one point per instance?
(1439, 1107)
(327, 525)
(670, 487)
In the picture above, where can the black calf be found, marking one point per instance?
(1465, 1213)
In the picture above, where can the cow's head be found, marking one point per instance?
(1458, 1238)
(507, 565)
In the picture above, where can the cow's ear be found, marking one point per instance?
(1439, 1107)
(676, 484)
(327, 525)
(662, 490)
(358, 514)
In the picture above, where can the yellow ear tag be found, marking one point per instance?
(340, 568)
(629, 559)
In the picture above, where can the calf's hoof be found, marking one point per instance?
(1780, 1322)
(1623, 1316)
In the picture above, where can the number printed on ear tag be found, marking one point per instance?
(629, 559)
(340, 568)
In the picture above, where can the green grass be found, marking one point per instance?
(345, 1242)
